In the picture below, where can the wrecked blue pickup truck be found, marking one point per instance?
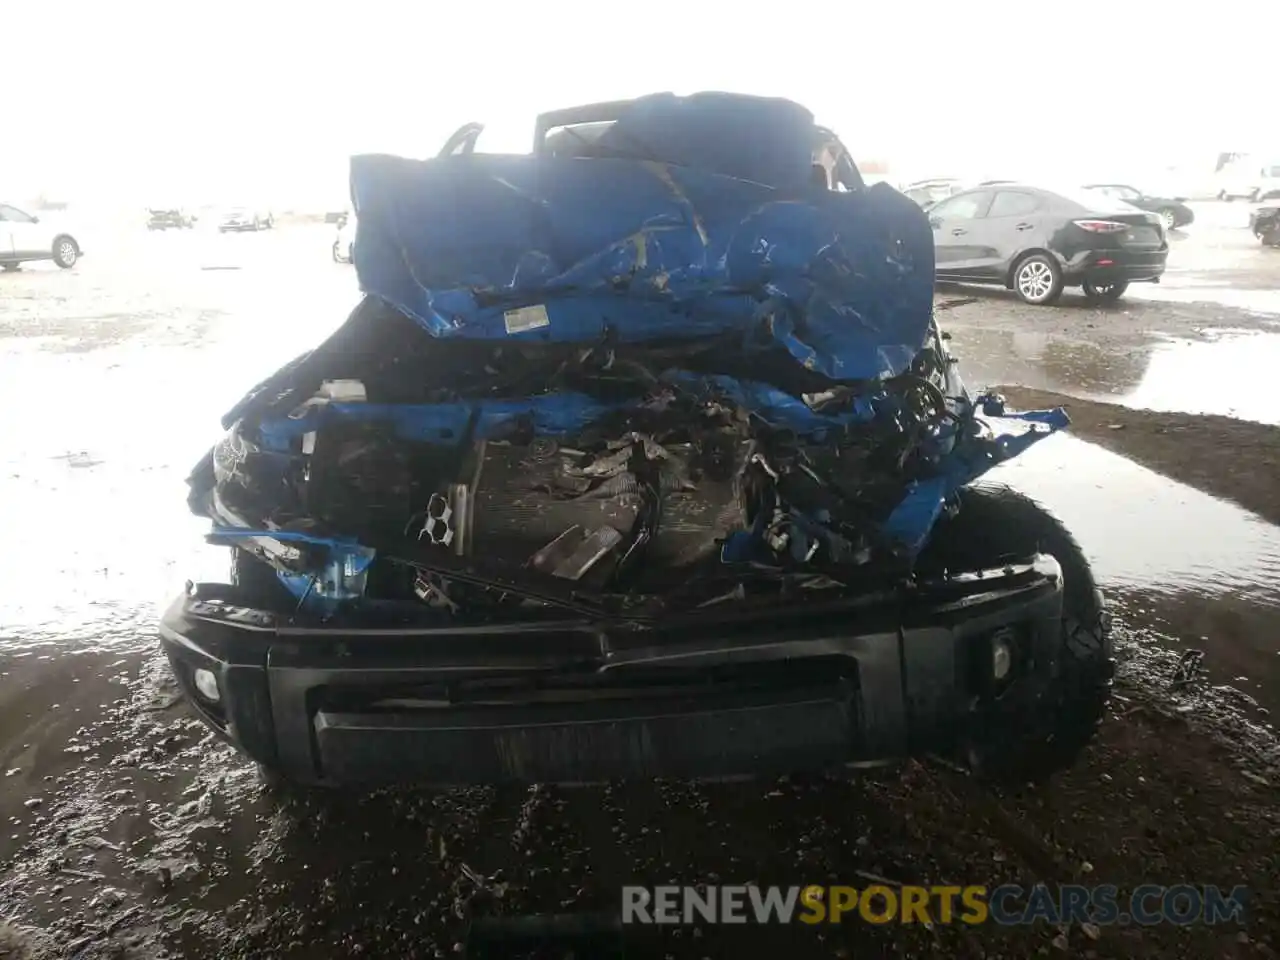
(643, 455)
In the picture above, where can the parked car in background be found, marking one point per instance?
(242, 218)
(25, 237)
(345, 241)
(1264, 221)
(928, 192)
(1037, 241)
(1172, 210)
(170, 220)
(1248, 178)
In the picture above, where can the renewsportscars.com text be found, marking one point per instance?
(1009, 904)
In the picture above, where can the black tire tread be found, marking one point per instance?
(1114, 293)
(994, 523)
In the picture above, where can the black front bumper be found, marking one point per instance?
(816, 685)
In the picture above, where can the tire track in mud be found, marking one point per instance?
(381, 874)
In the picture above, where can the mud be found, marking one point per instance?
(131, 832)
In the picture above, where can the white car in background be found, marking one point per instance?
(1249, 178)
(344, 243)
(928, 192)
(240, 219)
(25, 237)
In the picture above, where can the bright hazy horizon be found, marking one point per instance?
(140, 102)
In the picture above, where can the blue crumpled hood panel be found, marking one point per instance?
(641, 250)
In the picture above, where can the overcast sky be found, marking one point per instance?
(235, 101)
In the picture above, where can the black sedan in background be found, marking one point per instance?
(1264, 221)
(1036, 241)
(1172, 210)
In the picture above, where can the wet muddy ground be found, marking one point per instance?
(129, 832)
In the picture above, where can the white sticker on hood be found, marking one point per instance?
(526, 318)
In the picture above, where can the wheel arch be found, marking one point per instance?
(64, 235)
(993, 521)
(1022, 255)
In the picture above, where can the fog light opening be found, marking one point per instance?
(1001, 656)
(206, 684)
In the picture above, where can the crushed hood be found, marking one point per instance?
(545, 248)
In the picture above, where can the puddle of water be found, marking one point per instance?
(1200, 290)
(107, 418)
(1046, 361)
(1229, 375)
(1144, 531)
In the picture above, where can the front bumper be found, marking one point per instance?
(812, 686)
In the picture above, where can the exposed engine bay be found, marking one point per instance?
(684, 485)
(662, 373)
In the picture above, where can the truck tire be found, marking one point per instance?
(995, 524)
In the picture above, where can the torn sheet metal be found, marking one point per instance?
(555, 414)
(692, 245)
